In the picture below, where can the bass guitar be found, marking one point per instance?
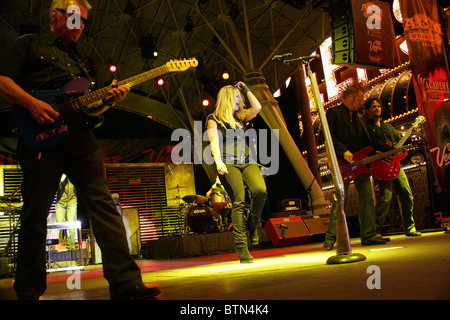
(361, 162)
(384, 166)
(389, 170)
(72, 103)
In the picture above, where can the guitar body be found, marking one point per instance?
(45, 137)
(350, 171)
(387, 170)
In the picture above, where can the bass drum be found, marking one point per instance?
(203, 219)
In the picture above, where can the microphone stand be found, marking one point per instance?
(343, 248)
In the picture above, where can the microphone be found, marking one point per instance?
(286, 55)
(308, 57)
(281, 57)
(447, 100)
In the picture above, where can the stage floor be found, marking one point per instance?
(408, 268)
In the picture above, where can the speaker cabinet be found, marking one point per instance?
(289, 205)
(287, 231)
(317, 226)
(362, 34)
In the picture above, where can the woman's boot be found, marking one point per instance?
(244, 255)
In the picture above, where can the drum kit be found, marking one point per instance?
(200, 214)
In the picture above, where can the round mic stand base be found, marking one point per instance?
(346, 258)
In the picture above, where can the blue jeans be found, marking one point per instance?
(368, 233)
(233, 181)
(404, 193)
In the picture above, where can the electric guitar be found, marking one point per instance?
(389, 170)
(377, 165)
(72, 102)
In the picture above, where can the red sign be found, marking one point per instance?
(429, 65)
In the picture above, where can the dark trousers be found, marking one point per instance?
(40, 182)
(404, 193)
(233, 181)
(368, 233)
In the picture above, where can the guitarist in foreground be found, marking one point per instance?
(349, 136)
(384, 138)
(46, 62)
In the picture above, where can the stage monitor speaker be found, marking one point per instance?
(362, 34)
(287, 231)
(288, 213)
(317, 226)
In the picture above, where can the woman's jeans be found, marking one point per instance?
(249, 175)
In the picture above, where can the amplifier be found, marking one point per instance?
(287, 231)
(289, 205)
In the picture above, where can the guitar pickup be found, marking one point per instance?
(51, 133)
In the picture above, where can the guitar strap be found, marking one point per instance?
(364, 124)
(84, 70)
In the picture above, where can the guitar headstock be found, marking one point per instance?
(419, 120)
(181, 65)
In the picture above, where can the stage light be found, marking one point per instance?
(112, 66)
(205, 102)
(160, 82)
(225, 75)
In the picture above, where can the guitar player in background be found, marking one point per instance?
(349, 136)
(47, 61)
(384, 138)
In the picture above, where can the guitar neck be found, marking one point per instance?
(405, 137)
(103, 93)
(382, 155)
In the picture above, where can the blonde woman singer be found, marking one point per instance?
(226, 130)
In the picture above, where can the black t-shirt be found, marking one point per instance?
(232, 142)
(40, 62)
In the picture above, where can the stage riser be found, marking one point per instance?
(206, 244)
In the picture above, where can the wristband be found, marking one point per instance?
(244, 90)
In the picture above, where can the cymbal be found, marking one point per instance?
(195, 198)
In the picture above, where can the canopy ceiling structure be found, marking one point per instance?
(240, 36)
(208, 30)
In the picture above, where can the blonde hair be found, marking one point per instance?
(224, 112)
(63, 4)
